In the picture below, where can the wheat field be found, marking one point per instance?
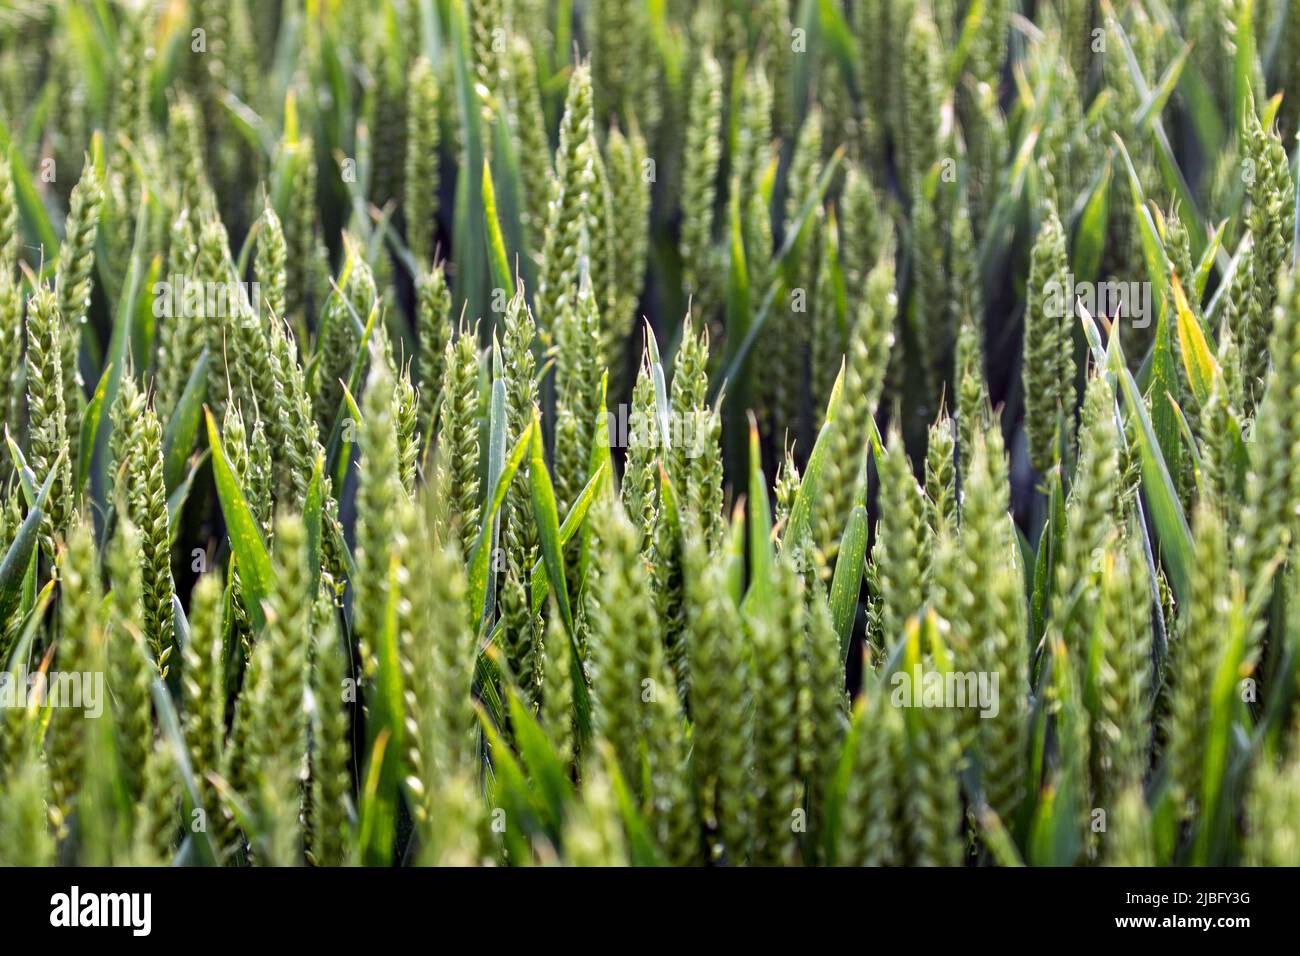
(649, 432)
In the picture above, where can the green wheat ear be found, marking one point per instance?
(786, 487)
(570, 215)
(965, 287)
(277, 743)
(694, 460)
(11, 348)
(930, 306)
(422, 134)
(523, 632)
(989, 626)
(1268, 525)
(600, 248)
(986, 140)
(180, 336)
(1048, 366)
(941, 476)
(674, 815)
(1218, 420)
(379, 492)
(757, 226)
(785, 345)
(185, 136)
(433, 327)
(406, 399)
(25, 838)
(624, 643)
(774, 631)
(158, 812)
(868, 833)
(1272, 193)
(864, 230)
(131, 665)
(640, 471)
(329, 836)
(79, 647)
(439, 657)
(203, 696)
(269, 266)
(1130, 841)
(666, 580)
(150, 511)
(1089, 518)
(931, 801)
(901, 551)
(46, 412)
(706, 477)
(870, 342)
(1122, 726)
(577, 385)
(532, 144)
(753, 134)
(972, 410)
(300, 234)
(72, 285)
(920, 98)
(823, 708)
(1272, 836)
(699, 183)
(1194, 659)
(138, 461)
(630, 184)
(557, 715)
(289, 411)
(593, 834)
(458, 433)
(11, 239)
(612, 27)
(213, 267)
(384, 112)
(487, 19)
